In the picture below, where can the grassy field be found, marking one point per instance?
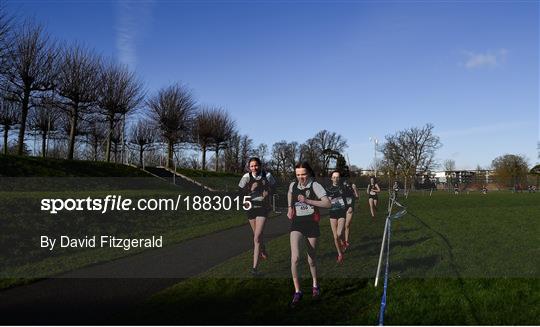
(25, 181)
(24, 166)
(467, 259)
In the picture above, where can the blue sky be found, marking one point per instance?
(287, 69)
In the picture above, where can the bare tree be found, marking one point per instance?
(43, 118)
(143, 136)
(205, 128)
(116, 141)
(96, 134)
(235, 156)
(231, 153)
(283, 157)
(411, 151)
(311, 151)
(329, 143)
(172, 110)
(31, 69)
(261, 152)
(9, 117)
(246, 150)
(449, 165)
(224, 129)
(76, 85)
(6, 42)
(120, 94)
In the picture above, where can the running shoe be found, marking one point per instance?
(255, 272)
(263, 254)
(346, 245)
(296, 299)
(340, 258)
(316, 292)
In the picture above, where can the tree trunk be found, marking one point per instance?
(109, 138)
(141, 151)
(73, 130)
(24, 115)
(170, 155)
(6, 130)
(43, 144)
(203, 157)
(405, 185)
(217, 156)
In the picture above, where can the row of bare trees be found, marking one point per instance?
(68, 91)
(71, 95)
(409, 153)
(318, 150)
(42, 82)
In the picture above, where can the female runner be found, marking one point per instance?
(351, 195)
(336, 193)
(305, 197)
(373, 190)
(257, 184)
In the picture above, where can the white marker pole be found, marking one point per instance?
(382, 252)
(383, 242)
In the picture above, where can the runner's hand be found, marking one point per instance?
(290, 213)
(254, 186)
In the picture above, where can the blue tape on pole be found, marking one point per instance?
(383, 300)
(397, 215)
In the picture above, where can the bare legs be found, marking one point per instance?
(311, 247)
(372, 206)
(338, 226)
(257, 225)
(348, 219)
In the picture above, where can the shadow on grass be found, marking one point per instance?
(421, 263)
(407, 243)
(241, 302)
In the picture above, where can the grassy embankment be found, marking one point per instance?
(28, 180)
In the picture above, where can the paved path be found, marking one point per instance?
(99, 293)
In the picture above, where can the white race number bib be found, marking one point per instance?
(303, 209)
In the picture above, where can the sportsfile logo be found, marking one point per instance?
(119, 203)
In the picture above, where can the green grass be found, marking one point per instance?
(19, 166)
(205, 173)
(467, 259)
(216, 180)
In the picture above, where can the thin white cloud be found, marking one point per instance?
(476, 60)
(133, 19)
(485, 129)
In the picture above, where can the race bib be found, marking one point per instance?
(337, 203)
(303, 209)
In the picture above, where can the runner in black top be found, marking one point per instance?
(257, 184)
(336, 193)
(373, 194)
(351, 195)
(305, 197)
